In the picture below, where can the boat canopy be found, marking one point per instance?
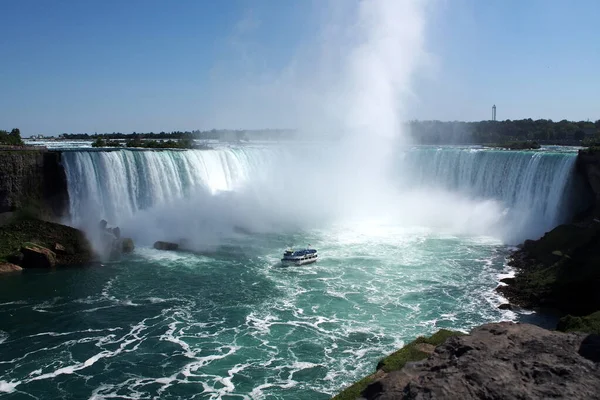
(303, 252)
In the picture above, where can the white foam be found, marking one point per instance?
(3, 336)
(8, 387)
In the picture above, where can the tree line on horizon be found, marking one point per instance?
(213, 134)
(12, 138)
(423, 132)
(489, 132)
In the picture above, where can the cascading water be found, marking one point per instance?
(116, 184)
(530, 189)
(537, 189)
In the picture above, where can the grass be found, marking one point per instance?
(353, 392)
(588, 324)
(397, 360)
(410, 352)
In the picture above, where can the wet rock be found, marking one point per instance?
(35, 256)
(127, 245)
(508, 281)
(60, 249)
(160, 245)
(117, 232)
(505, 306)
(8, 268)
(102, 225)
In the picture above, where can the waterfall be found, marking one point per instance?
(534, 189)
(115, 185)
(537, 188)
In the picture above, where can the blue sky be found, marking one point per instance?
(104, 66)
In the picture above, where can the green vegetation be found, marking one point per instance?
(396, 361)
(137, 142)
(354, 392)
(185, 143)
(411, 351)
(11, 139)
(588, 324)
(520, 145)
(101, 142)
(213, 134)
(543, 131)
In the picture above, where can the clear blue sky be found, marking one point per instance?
(144, 65)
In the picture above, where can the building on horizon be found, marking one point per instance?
(494, 112)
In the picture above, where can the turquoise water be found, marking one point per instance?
(234, 323)
(424, 251)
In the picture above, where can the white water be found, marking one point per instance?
(209, 194)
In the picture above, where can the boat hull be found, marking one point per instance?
(298, 262)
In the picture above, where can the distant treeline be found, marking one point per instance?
(423, 132)
(185, 143)
(487, 132)
(12, 138)
(214, 134)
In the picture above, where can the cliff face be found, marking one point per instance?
(34, 179)
(588, 164)
(497, 361)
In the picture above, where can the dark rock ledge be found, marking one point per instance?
(503, 360)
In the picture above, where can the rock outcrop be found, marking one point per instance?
(559, 271)
(160, 245)
(35, 256)
(111, 242)
(33, 180)
(28, 243)
(497, 361)
(588, 164)
(127, 245)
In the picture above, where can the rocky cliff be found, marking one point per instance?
(33, 179)
(495, 361)
(588, 164)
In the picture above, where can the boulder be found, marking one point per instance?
(117, 232)
(127, 245)
(102, 225)
(505, 306)
(7, 268)
(160, 245)
(62, 250)
(35, 256)
(59, 249)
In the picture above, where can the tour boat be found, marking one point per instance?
(299, 257)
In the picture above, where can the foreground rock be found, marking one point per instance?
(496, 361)
(28, 243)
